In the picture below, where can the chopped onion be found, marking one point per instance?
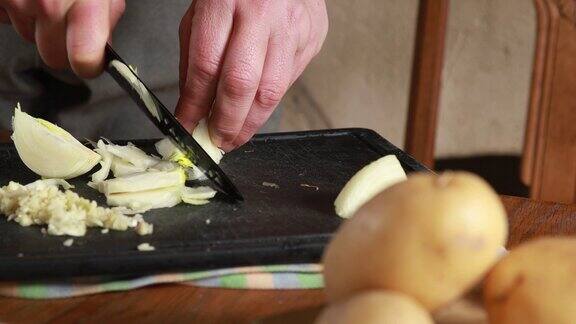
(133, 155)
(165, 166)
(198, 193)
(143, 181)
(197, 202)
(157, 198)
(121, 168)
(105, 163)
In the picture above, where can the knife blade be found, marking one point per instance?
(167, 123)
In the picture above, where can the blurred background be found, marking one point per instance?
(362, 79)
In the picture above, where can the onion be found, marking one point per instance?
(121, 168)
(49, 150)
(142, 200)
(143, 181)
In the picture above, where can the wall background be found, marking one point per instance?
(362, 76)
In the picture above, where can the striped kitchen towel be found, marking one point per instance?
(294, 276)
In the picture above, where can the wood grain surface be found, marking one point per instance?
(549, 163)
(181, 303)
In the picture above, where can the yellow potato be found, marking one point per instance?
(431, 237)
(376, 307)
(535, 283)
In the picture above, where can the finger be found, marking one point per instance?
(24, 26)
(184, 37)
(50, 31)
(117, 8)
(50, 36)
(239, 78)
(275, 81)
(4, 19)
(202, 59)
(87, 32)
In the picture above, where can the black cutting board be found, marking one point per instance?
(290, 223)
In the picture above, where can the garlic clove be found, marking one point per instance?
(367, 183)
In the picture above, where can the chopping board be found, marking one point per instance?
(289, 182)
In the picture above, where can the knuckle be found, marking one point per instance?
(268, 97)
(260, 7)
(227, 132)
(204, 69)
(296, 13)
(238, 84)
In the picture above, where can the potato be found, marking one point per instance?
(431, 237)
(534, 283)
(376, 307)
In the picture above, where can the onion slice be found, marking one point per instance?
(49, 150)
(143, 181)
(150, 199)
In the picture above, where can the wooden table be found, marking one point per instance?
(181, 303)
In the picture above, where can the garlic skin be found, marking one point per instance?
(49, 150)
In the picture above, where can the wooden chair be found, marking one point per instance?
(549, 153)
(549, 157)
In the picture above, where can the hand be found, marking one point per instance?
(68, 33)
(239, 57)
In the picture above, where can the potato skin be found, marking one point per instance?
(534, 283)
(376, 307)
(431, 237)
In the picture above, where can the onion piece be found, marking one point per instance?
(197, 202)
(367, 183)
(143, 181)
(133, 155)
(122, 168)
(49, 150)
(105, 163)
(164, 166)
(198, 193)
(157, 198)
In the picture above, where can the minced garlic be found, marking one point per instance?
(64, 212)
(144, 247)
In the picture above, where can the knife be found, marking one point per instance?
(167, 123)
